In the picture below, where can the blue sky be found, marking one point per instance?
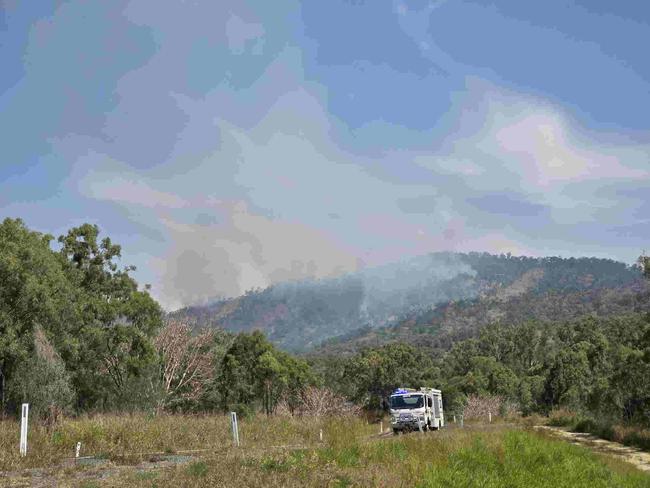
(229, 145)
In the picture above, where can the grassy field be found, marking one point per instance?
(287, 452)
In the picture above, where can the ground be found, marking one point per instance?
(141, 451)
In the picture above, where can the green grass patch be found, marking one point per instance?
(526, 460)
(197, 469)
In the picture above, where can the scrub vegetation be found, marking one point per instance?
(282, 451)
(100, 363)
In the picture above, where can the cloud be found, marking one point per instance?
(223, 148)
(510, 205)
(257, 209)
(240, 33)
(245, 251)
(131, 191)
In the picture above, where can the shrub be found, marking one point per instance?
(640, 439)
(317, 402)
(563, 418)
(585, 425)
(602, 429)
(43, 382)
(478, 407)
(244, 411)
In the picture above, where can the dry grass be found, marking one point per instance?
(281, 451)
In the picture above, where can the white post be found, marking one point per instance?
(454, 419)
(490, 417)
(235, 428)
(320, 435)
(381, 427)
(23, 429)
(77, 450)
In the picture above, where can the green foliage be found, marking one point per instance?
(376, 372)
(253, 372)
(43, 382)
(118, 323)
(97, 324)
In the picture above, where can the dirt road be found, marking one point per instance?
(632, 455)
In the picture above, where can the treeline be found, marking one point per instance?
(599, 366)
(75, 330)
(78, 335)
(559, 274)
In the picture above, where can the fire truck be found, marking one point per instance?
(412, 409)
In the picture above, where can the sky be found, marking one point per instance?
(231, 145)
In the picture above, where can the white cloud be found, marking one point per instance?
(240, 32)
(132, 190)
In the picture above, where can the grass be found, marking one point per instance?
(287, 452)
(629, 435)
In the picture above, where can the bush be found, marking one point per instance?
(244, 411)
(478, 407)
(317, 402)
(640, 439)
(585, 425)
(602, 429)
(563, 418)
(43, 382)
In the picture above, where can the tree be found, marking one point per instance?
(644, 263)
(117, 325)
(253, 372)
(34, 292)
(185, 363)
(375, 373)
(568, 379)
(98, 325)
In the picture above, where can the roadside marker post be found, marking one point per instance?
(490, 417)
(320, 435)
(454, 419)
(23, 429)
(77, 450)
(235, 428)
(381, 427)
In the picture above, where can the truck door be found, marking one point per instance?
(436, 406)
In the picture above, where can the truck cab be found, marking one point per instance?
(412, 409)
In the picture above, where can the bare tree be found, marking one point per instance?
(186, 364)
(317, 402)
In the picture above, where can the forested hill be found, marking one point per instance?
(433, 300)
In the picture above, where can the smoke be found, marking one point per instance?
(413, 284)
(381, 295)
(244, 251)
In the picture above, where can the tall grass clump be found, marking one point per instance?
(527, 460)
(562, 417)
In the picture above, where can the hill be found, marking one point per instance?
(433, 299)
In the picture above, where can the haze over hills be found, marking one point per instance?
(431, 300)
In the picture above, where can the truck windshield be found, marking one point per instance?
(406, 401)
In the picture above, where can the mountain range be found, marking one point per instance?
(430, 300)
